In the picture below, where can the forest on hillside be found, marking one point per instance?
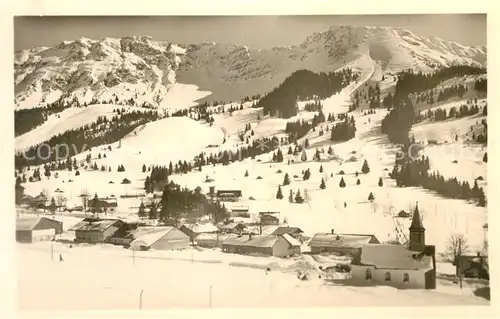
(303, 85)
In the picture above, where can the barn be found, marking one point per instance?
(271, 245)
(340, 243)
(29, 230)
(159, 238)
(96, 230)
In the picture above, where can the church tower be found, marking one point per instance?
(417, 232)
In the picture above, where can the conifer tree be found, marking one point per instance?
(323, 184)
(279, 194)
(342, 183)
(142, 211)
(298, 197)
(144, 168)
(307, 175)
(286, 180)
(290, 197)
(481, 198)
(358, 182)
(153, 211)
(485, 157)
(321, 169)
(246, 173)
(371, 197)
(380, 183)
(365, 169)
(303, 157)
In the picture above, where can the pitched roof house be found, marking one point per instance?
(340, 243)
(293, 231)
(160, 238)
(96, 230)
(30, 230)
(272, 245)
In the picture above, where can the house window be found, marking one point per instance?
(368, 274)
(406, 278)
(387, 276)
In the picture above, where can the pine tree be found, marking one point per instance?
(317, 155)
(290, 151)
(307, 175)
(286, 180)
(144, 168)
(52, 206)
(303, 157)
(485, 157)
(330, 150)
(365, 169)
(323, 184)
(306, 143)
(321, 169)
(279, 194)
(357, 174)
(77, 173)
(358, 182)
(246, 173)
(142, 211)
(371, 197)
(342, 183)
(481, 198)
(380, 183)
(290, 197)
(298, 197)
(153, 211)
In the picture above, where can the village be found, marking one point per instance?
(360, 259)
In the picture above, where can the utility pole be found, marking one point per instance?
(140, 299)
(210, 296)
(458, 260)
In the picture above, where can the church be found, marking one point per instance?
(411, 266)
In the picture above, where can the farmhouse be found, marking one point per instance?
(295, 232)
(240, 211)
(229, 195)
(96, 230)
(107, 205)
(396, 265)
(269, 218)
(159, 238)
(30, 230)
(232, 228)
(212, 240)
(472, 266)
(340, 243)
(271, 245)
(194, 230)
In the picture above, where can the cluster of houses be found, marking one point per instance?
(403, 266)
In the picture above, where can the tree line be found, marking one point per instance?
(101, 131)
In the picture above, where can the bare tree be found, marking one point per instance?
(457, 246)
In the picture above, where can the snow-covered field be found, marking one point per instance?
(106, 277)
(92, 278)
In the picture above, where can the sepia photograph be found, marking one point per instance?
(244, 161)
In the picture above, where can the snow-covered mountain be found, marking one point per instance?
(143, 69)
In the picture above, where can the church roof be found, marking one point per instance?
(416, 221)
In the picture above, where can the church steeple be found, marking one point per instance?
(417, 232)
(416, 221)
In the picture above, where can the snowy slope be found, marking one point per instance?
(143, 69)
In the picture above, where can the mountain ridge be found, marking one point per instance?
(142, 69)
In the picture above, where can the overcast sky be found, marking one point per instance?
(254, 31)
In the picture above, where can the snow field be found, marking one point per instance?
(90, 281)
